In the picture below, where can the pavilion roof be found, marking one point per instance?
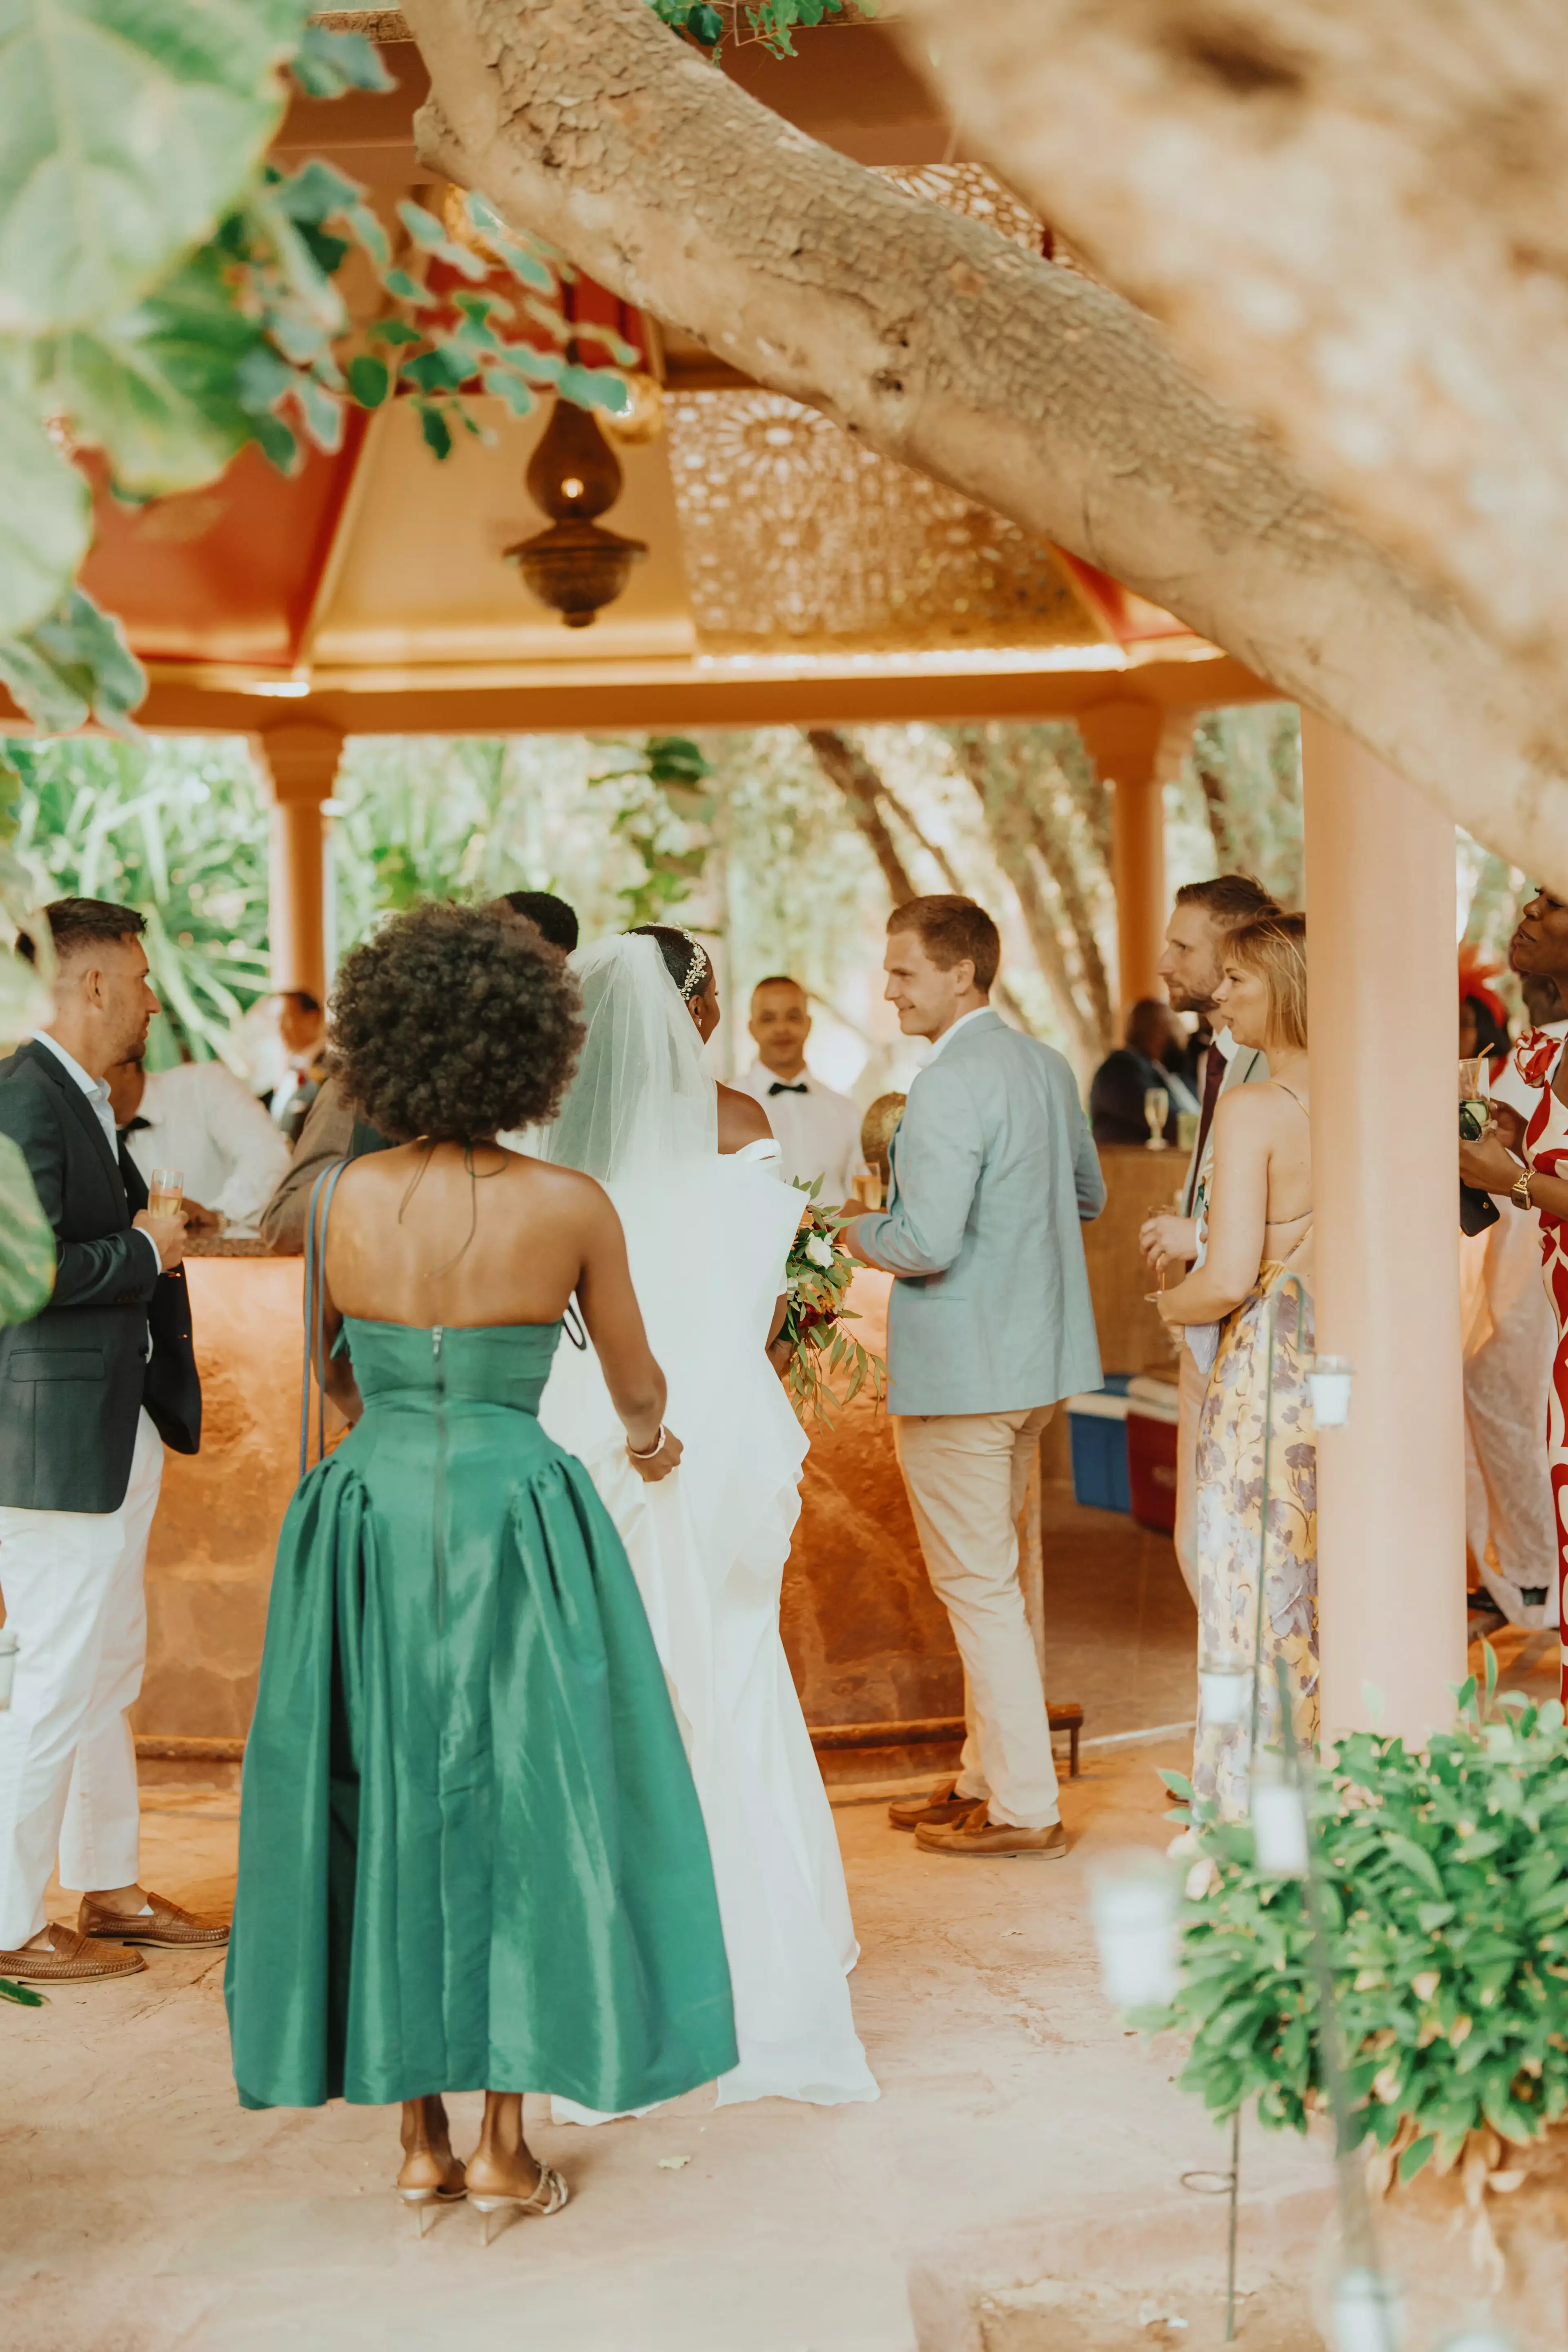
(791, 574)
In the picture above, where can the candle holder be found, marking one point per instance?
(1329, 1379)
(1368, 2313)
(1279, 1819)
(1133, 1900)
(1226, 1683)
(8, 1648)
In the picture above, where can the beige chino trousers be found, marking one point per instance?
(967, 1475)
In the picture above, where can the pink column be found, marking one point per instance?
(1124, 739)
(300, 762)
(1390, 1516)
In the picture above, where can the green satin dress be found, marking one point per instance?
(470, 1853)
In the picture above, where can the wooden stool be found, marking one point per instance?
(1065, 1715)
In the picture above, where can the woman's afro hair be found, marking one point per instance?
(455, 1023)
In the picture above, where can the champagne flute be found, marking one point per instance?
(1156, 1111)
(165, 1191)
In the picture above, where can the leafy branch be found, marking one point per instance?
(666, 817)
(1445, 1874)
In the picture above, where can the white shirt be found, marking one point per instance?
(201, 1120)
(96, 1093)
(962, 1019)
(818, 1131)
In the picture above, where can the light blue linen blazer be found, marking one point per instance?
(994, 1173)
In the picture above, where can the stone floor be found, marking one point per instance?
(1025, 2149)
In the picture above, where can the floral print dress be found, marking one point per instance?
(1230, 1527)
(1536, 1057)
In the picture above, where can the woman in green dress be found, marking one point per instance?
(471, 1856)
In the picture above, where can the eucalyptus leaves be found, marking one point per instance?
(1444, 1876)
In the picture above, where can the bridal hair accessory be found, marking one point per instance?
(696, 979)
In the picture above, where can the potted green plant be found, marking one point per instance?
(1442, 1879)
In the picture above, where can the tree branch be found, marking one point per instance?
(1008, 839)
(844, 764)
(1021, 384)
(1353, 219)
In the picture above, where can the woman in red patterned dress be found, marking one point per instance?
(1525, 1159)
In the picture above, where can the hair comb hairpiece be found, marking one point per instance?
(696, 979)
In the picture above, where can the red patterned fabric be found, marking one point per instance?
(1536, 1057)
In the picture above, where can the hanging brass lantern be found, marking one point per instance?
(575, 567)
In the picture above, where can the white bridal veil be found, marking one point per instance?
(640, 1105)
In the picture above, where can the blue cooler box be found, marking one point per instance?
(1097, 1433)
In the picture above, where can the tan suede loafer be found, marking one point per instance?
(942, 1803)
(68, 1958)
(978, 1834)
(166, 1925)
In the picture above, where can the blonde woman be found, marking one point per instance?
(1256, 1229)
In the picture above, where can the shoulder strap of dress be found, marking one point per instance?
(316, 1310)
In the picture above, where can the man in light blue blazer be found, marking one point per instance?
(993, 1173)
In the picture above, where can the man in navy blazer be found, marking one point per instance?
(990, 1325)
(91, 1391)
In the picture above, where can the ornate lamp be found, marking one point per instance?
(575, 567)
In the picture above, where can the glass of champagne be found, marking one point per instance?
(165, 1191)
(1156, 1111)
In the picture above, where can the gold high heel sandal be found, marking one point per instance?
(425, 2202)
(548, 2196)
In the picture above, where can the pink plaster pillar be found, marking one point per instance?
(1391, 1522)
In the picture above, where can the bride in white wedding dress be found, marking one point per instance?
(708, 1232)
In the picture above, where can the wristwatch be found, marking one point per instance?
(1519, 1194)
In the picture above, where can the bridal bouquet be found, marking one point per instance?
(817, 1275)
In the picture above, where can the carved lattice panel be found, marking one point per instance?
(796, 535)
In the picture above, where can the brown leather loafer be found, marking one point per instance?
(942, 1803)
(166, 1925)
(68, 1958)
(978, 1834)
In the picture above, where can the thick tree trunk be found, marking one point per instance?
(1352, 218)
(844, 764)
(1021, 384)
(1010, 829)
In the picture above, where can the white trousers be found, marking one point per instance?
(73, 1588)
(967, 1475)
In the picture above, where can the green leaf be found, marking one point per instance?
(73, 665)
(1415, 2156)
(26, 1237)
(126, 128)
(369, 381)
(705, 25)
(326, 63)
(436, 432)
(25, 1996)
(441, 369)
(45, 512)
(158, 387)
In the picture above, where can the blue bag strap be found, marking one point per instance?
(316, 1310)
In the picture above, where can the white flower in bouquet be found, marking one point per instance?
(819, 1250)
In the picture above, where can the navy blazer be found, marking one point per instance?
(73, 1380)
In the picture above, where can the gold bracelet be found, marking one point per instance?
(654, 1450)
(1519, 1194)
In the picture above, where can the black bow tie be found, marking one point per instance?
(133, 1126)
(779, 1088)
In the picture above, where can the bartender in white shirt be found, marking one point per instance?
(202, 1120)
(818, 1131)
